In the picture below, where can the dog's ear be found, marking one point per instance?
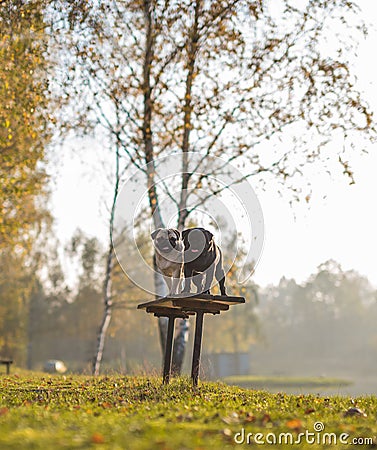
(210, 240)
(154, 233)
(178, 234)
(209, 235)
(185, 233)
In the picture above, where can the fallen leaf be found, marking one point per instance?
(97, 438)
(310, 410)
(4, 411)
(294, 424)
(227, 432)
(250, 417)
(106, 405)
(232, 418)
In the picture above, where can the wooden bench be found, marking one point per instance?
(182, 306)
(6, 362)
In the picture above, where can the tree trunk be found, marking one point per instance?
(106, 314)
(160, 286)
(180, 343)
(187, 125)
(107, 300)
(181, 338)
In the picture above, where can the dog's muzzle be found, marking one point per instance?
(164, 245)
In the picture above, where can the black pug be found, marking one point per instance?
(202, 260)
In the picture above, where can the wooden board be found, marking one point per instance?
(182, 303)
(161, 311)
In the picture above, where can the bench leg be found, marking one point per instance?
(168, 350)
(197, 347)
(7, 364)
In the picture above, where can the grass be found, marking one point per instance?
(117, 412)
(285, 382)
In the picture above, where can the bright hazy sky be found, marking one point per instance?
(342, 226)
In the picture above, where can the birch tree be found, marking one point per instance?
(266, 86)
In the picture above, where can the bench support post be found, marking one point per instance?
(197, 347)
(168, 350)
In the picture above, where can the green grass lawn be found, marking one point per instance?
(117, 412)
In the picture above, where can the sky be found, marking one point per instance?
(339, 222)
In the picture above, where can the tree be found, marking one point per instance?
(24, 129)
(14, 287)
(24, 133)
(326, 324)
(63, 318)
(220, 79)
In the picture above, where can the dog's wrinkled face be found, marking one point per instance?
(197, 241)
(165, 239)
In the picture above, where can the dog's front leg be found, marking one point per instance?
(187, 277)
(168, 282)
(176, 282)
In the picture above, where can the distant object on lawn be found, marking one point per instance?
(54, 366)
